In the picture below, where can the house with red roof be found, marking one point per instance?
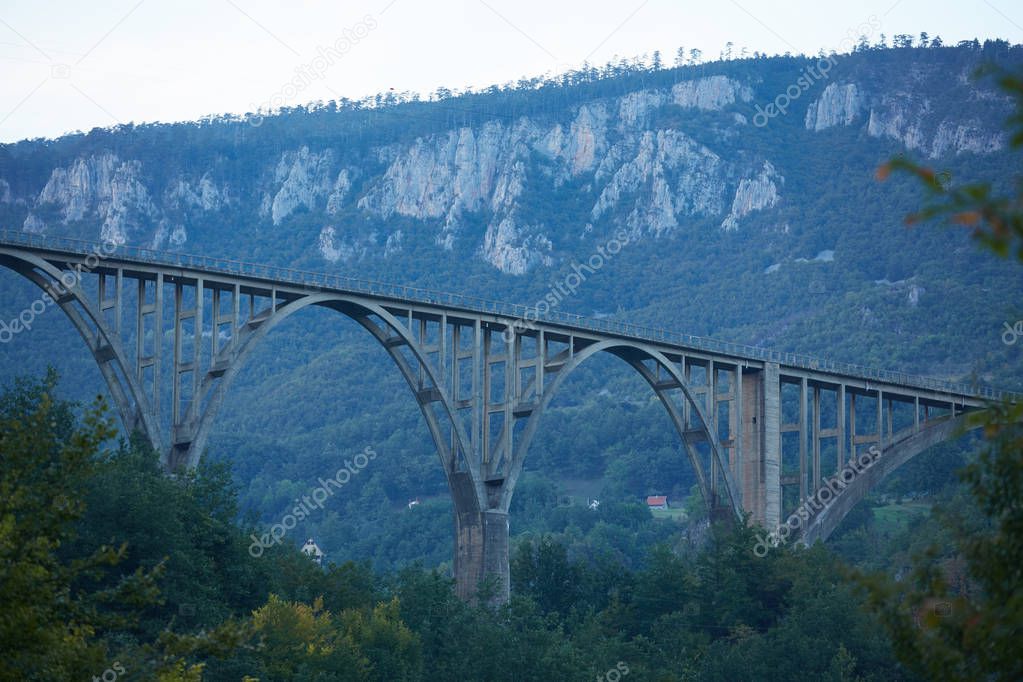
(657, 502)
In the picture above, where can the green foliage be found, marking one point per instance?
(70, 605)
(960, 614)
(995, 219)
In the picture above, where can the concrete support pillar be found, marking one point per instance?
(803, 433)
(771, 444)
(751, 428)
(840, 426)
(481, 544)
(815, 473)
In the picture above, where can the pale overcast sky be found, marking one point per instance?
(71, 65)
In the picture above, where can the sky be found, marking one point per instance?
(70, 65)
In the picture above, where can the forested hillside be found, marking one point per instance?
(767, 230)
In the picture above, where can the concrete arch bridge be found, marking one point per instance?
(762, 429)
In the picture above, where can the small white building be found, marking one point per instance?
(312, 550)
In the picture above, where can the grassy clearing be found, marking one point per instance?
(892, 518)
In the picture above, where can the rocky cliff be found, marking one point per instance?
(652, 160)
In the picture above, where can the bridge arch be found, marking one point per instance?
(391, 337)
(635, 355)
(130, 400)
(904, 446)
(475, 556)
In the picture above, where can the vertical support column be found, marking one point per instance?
(751, 427)
(456, 389)
(880, 420)
(541, 363)
(712, 398)
(771, 444)
(496, 568)
(852, 426)
(215, 336)
(157, 342)
(119, 284)
(176, 390)
(423, 345)
(511, 397)
(802, 439)
(891, 421)
(197, 347)
(481, 544)
(487, 448)
(101, 294)
(443, 347)
(477, 399)
(712, 427)
(736, 413)
(916, 413)
(840, 426)
(816, 473)
(686, 414)
(236, 310)
(140, 330)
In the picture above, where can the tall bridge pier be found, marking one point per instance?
(762, 430)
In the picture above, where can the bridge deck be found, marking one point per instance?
(269, 275)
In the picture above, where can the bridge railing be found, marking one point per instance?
(483, 305)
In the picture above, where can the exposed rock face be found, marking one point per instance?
(634, 108)
(328, 244)
(33, 225)
(965, 137)
(669, 175)
(515, 250)
(205, 195)
(105, 187)
(447, 176)
(584, 144)
(395, 243)
(334, 247)
(710, 94)
(837, 105)
(169, 236)
(753, 194)
(342, 186)
(113, 191)
(902, 117)
(898, 119)
(5, 192)
(83, 187)
(304, 179)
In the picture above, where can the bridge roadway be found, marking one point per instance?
(763, 429)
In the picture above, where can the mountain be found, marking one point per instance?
(744, 191)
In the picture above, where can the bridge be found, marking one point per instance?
(766, 432)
